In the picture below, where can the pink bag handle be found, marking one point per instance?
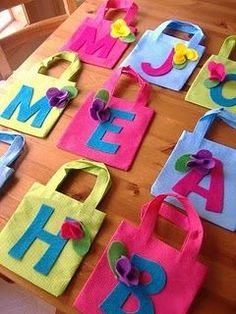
(145, 88)
(152, 210)
(129, 6)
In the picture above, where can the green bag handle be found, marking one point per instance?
(71, 70)
(228, 45)
(100, 188)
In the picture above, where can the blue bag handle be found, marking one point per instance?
(183, 26)
(16, 142)
(205, 122)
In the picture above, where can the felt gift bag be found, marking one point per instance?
(27, 106)
(140, 274)
(49, 234)
(100, 42)
(204, 171)
(214, 86)
(16, 142)
(166, 60)
(104, 127)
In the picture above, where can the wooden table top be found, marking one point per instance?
(130, 190)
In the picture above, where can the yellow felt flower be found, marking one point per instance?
(182, 54)
(119, 29)
(179, 58)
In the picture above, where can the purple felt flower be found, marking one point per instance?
(99, 110)
(126, 273)
(202, 161)
(57, 97)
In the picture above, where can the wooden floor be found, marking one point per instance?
(130, 190)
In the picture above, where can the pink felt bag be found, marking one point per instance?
(116, 141)
(92, 39)
(174, 277)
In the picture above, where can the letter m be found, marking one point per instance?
(92, 44)
(40, 109)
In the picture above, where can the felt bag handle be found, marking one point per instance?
(228, 45)
(129, 6)
(98, 169)
(16, 142)
(183, 26)
(145, 88)
(205, 122)
(71, 70)
(193, 240)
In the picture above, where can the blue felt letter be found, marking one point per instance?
(23, 100)
(216, 93)
(35, 231)
(96, 142)
(120, 294)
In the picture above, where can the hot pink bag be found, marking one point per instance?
(92, 39)
(138, 267)
(107, 128)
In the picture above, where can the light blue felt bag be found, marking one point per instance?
(212, 194)
(153, 55)
(16, 142)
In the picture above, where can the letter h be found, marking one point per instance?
(35, 231)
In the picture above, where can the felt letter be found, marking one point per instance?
(35, 231)
(92, 44)
(214, 196)
(216, 93)
(40, 108)
(120, 294)
(166, 67)
(96, 142)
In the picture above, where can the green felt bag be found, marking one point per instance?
(220, 92)
(31, 243)
(25, 106)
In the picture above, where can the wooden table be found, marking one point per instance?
(132, 189)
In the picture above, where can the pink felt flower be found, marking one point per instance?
(72, 229)
(217, 71)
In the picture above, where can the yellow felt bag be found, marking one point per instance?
(32, 243)
(25, 107)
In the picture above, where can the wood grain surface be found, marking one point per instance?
(130, 190)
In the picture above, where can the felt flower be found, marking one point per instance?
(202, 161)
(217, 71)
(57, 97)
(183, 55)
(99, 112)
(119, 29)
(72, 230)
(125, 272)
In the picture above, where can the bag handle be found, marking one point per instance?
(193, 241)
(98, 169)
(228, 45)
(16, 142)
(71, 70)
(205, 122)
(183, 26)
(145, 88)
(129, 6)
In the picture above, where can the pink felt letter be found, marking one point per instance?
(161, 70)
(89, 38)
(214, 196)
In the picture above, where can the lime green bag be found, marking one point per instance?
(26, 108)
(215, 85)
(32, 244)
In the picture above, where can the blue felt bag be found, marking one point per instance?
(16, 142)
(153, 55)
(212, 191)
